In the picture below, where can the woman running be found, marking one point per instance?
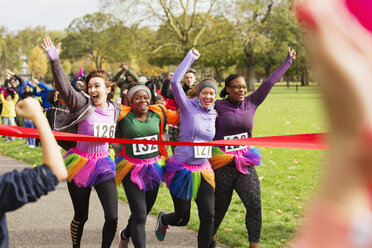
(188, 172)
(88, 163)
(234, 165)
(138, 165)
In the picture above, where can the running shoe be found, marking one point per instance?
(123, 243)
(161, 230)
(212, 244)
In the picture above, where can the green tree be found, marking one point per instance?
(10, 54)
(185, 20)
(220, 47)
(96, 35)
(251, 19)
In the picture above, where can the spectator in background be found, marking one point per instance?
(44, 89)
(1, 105)
(8, 112)
(13, 81)
(58, 110)
(129, 77)
(152, 86)
(189, 80)
(78, 81)
(26, 90)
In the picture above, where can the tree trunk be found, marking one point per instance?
(218, 78)
(251, 62)
(305, 77)
(250, 77)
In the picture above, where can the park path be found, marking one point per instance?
(46, 223)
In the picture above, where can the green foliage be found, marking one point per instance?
(10, 55)
(220, 46)
(98, 35)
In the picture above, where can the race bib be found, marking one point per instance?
(235, 136)
(141, 149)
(202, 151)
(104, 130)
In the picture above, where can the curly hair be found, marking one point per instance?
(107, 79)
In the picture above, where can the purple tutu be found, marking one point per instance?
(89, 169)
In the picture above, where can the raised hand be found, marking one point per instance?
(124, 66)
(291, 53)
(170, 75)
(29, 108)
(50, 49)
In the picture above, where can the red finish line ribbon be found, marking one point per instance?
(299, 141)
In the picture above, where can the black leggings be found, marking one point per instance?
(247, 186)
(181, 216)
(108, 195)
(140, 204)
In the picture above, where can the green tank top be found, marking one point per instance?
(132, 128)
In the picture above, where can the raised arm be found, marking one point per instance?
(166, 91)
(44, 86)
(264, 89)
(22, 87)
(178, 93)
(30, 108)
(74, 100)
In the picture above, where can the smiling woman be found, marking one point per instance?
(188, 173)
(138, 167)
(88, 163)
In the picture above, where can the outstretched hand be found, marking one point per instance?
(291, 53)
(50, 49)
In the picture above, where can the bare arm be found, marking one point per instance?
(30, 108)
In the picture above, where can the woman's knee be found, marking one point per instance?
(183, 219)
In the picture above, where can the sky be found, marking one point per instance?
(53, 14)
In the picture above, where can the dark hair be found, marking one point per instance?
(82, 78)
(107, 79)
(11, 93)
(151, 85)
(228, 80)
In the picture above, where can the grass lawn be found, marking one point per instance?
(288, 177)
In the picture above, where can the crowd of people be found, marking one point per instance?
(340, 216)
(190, 112)
(187, 112)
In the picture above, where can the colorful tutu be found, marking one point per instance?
(244, 158)
(146, 173)
(89, 169)
(183, 180)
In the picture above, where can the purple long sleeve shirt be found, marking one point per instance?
(237, 117)
(196, 122)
